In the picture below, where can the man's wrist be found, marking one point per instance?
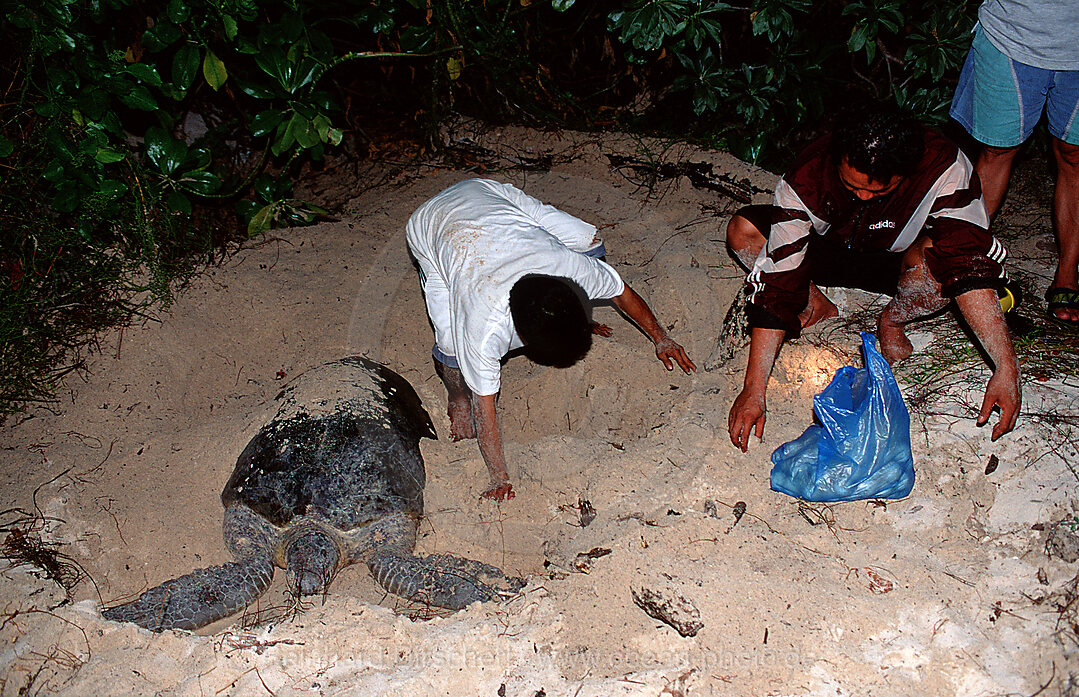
(753, 385)
(1008, 369)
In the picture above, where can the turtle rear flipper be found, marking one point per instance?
(198, 598)
(441, 580)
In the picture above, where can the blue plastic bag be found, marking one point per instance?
(861, 448)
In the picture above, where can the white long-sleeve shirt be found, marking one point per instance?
(475, 240)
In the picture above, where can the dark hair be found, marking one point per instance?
(879, 141)
(550, 317)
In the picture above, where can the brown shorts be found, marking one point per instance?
(832, 264)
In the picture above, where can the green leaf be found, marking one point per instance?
(562, 5)
(160, 36)
(145, 73)
(6, 146)
(185, 66)
(164, 151)
(139, 98)
(66, 199)
(308, 111)
(857, 38)
(265, 122)
(303, 75)
(108, 156)
(283, 137)
(261, 221)
(198, 158)
(47, 109)
(178, 202)
(247, 46)
(268, 189)
(316, 209)
(201, 182)
(213, 69)
(53, 172)
(326, 132)
(231, 29)
(247, 208)
(304, 131)
(178, 11)
(256, 90)
(454, 67)
(273, 62)
(112, 189)
(64, 39)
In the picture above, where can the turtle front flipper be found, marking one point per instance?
(198, 598)
(441, 580)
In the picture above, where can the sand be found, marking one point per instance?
(947, 592)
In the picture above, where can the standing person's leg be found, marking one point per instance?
(1062, 110)
(746, 235)
(994, 168)
(1066, 223)
(998, 101)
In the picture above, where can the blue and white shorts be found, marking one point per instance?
(999, 100)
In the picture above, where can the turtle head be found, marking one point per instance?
(311, 560)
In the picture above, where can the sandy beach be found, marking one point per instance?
(950, 591)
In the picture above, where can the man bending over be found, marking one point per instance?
(885, 205)
(501, 271)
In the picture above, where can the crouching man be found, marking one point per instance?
(501, 271)
(885, 205)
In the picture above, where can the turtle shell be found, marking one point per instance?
(343, 446)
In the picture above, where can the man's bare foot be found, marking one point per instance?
(894, 344)
(499, 492)
(819, 307)
(461, 425)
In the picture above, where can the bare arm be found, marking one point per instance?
(634, 307)
(489, 435)
(982, 311)
(749, 410)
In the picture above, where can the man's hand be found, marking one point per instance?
(747, 415)
(499, 492)
(748, 411)
(634, 307)
(981, 309)
(602, 330)
(489, 435)
(667, 349)
(1002, 391)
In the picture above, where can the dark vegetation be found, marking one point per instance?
(139, 140)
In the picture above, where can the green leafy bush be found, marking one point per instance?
(763, 76)
(128, 132)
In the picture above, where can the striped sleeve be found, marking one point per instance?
(779, 279)
(964, 255)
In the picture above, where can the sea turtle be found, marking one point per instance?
(335, 477)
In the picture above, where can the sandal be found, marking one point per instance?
(1062, 299)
